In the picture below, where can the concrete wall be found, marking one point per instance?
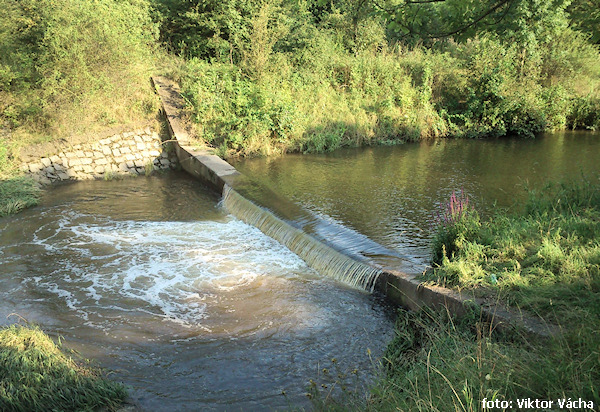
(128, 153)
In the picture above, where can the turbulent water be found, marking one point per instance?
(190, 307)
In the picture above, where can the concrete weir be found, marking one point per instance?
(400, 286)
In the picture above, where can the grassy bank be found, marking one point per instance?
(300, 79)
(543, 259)
(16, 194)
(36, 375)
(299, 75)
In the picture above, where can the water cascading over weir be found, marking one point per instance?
(319, 256)
(330, 249)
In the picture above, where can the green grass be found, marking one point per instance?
(544, 259)
(36, 375)
(438, 363)
(16, 194)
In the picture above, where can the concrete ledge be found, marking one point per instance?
(404, 289)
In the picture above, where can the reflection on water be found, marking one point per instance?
(390, 193)
(192, 308)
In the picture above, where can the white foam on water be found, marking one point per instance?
(107, 269)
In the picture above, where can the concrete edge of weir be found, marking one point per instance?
(404, 289)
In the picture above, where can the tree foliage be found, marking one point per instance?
(73, 55)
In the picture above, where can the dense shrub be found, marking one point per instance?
(74, 64)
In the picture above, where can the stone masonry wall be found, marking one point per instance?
(129, 153)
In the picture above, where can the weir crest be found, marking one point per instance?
(322, 258)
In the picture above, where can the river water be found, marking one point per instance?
(392, 194)
(195, 310)
(190, 307)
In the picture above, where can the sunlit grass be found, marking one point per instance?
(17, 193)
(545, 259)
(36, 375)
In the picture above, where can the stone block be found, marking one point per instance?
(106, 150)
(139, 163)
(77, 168)
(101, 162)
(59, 167)
(123, 167)
(99, 170)
(129, 156)
(138, 139)
(45, 161)
(41, 179)
(35, 167)
(86, 161)
(89, 154)
(105, 142)
(116, 152)
(141, 146)
(74, 162)
(154, 153)
(24, 167)
(71, 173)
(70, 155)
(88, 169)
(79, 153)
(165, 162)
(63, 176)
(98, 155)
(130, 164)
(125, 150)
(54, 159)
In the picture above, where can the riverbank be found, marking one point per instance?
(544, 259)
(37, 375)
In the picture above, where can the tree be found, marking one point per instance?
(513, 20)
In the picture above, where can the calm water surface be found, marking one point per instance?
(190, 307)
(391, 194)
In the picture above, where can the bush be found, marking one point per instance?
(75, 64)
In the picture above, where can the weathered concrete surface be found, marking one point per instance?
(408, 291)
(198, 162)
(404, 289)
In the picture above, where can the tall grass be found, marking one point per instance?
(74, 66)
(436, 363)
(324, 97)
(16, 194)
(38, 376)
(545, 259)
